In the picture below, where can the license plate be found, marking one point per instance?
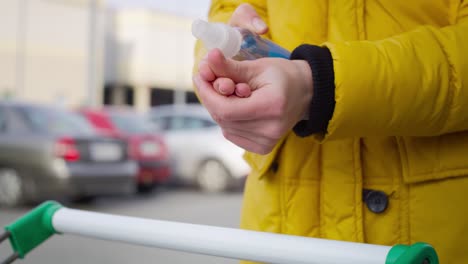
(106, 151)
(149, 149)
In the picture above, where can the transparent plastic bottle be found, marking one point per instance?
(236, 43)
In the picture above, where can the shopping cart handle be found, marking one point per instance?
(30, 230)
(418, 253)
(49, 218)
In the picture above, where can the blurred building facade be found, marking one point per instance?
(148, 58)
(51, 52)
(80, 52)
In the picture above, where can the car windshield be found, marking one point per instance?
(131, 123)
(185, 123)
(57, 121)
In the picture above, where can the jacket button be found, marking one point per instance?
(274, 166)
(376, 201)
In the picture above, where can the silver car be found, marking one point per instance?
(201, 155)
(50, 153)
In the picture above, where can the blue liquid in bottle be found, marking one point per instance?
(236, 43)
(253, 47)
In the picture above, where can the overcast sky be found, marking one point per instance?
(191, 8)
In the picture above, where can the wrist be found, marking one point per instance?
(304, 78)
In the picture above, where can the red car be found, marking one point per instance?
(146, 147)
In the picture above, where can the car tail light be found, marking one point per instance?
(66, 148)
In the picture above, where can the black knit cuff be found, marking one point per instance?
(323, 100)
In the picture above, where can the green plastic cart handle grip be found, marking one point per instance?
(418, 253)
(32, 229)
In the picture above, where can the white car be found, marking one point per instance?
(201, 155)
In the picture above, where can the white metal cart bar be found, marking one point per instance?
(50, 218)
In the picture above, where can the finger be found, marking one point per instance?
(222, 107)
(227, 110)
(224, 86)
(243, 90)
(247, 144)
(260, 105)
(259, 139)
(238, 71)
(245, 16)
(209, 96)
(204, 87)
(271, 130)
(205, 71)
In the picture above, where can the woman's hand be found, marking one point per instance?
(244, 16)
(281, 93)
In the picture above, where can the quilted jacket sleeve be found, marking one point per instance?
(414, 84)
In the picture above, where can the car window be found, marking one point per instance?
(168, 123)
(188, 123)
(3, 120)
(160, 123)
(57, 122)
(176, 123)
(197, 123)
(16, 122)
(181, 122)
(131, 123)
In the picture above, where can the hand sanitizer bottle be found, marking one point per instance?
(236, 43)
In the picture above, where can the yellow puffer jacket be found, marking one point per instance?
(400, 126)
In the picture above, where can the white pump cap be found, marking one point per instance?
(218, 35)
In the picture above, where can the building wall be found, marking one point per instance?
(44, 51)
(8, 35)
(46, 55)
(149, 48)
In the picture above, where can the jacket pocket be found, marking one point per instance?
(434, 158)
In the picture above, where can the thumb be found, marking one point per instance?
(238, 71)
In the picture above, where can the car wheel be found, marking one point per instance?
(213, 176)
(11, 188)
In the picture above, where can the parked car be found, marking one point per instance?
(202, 155)
(145, 146)
(47, 153)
